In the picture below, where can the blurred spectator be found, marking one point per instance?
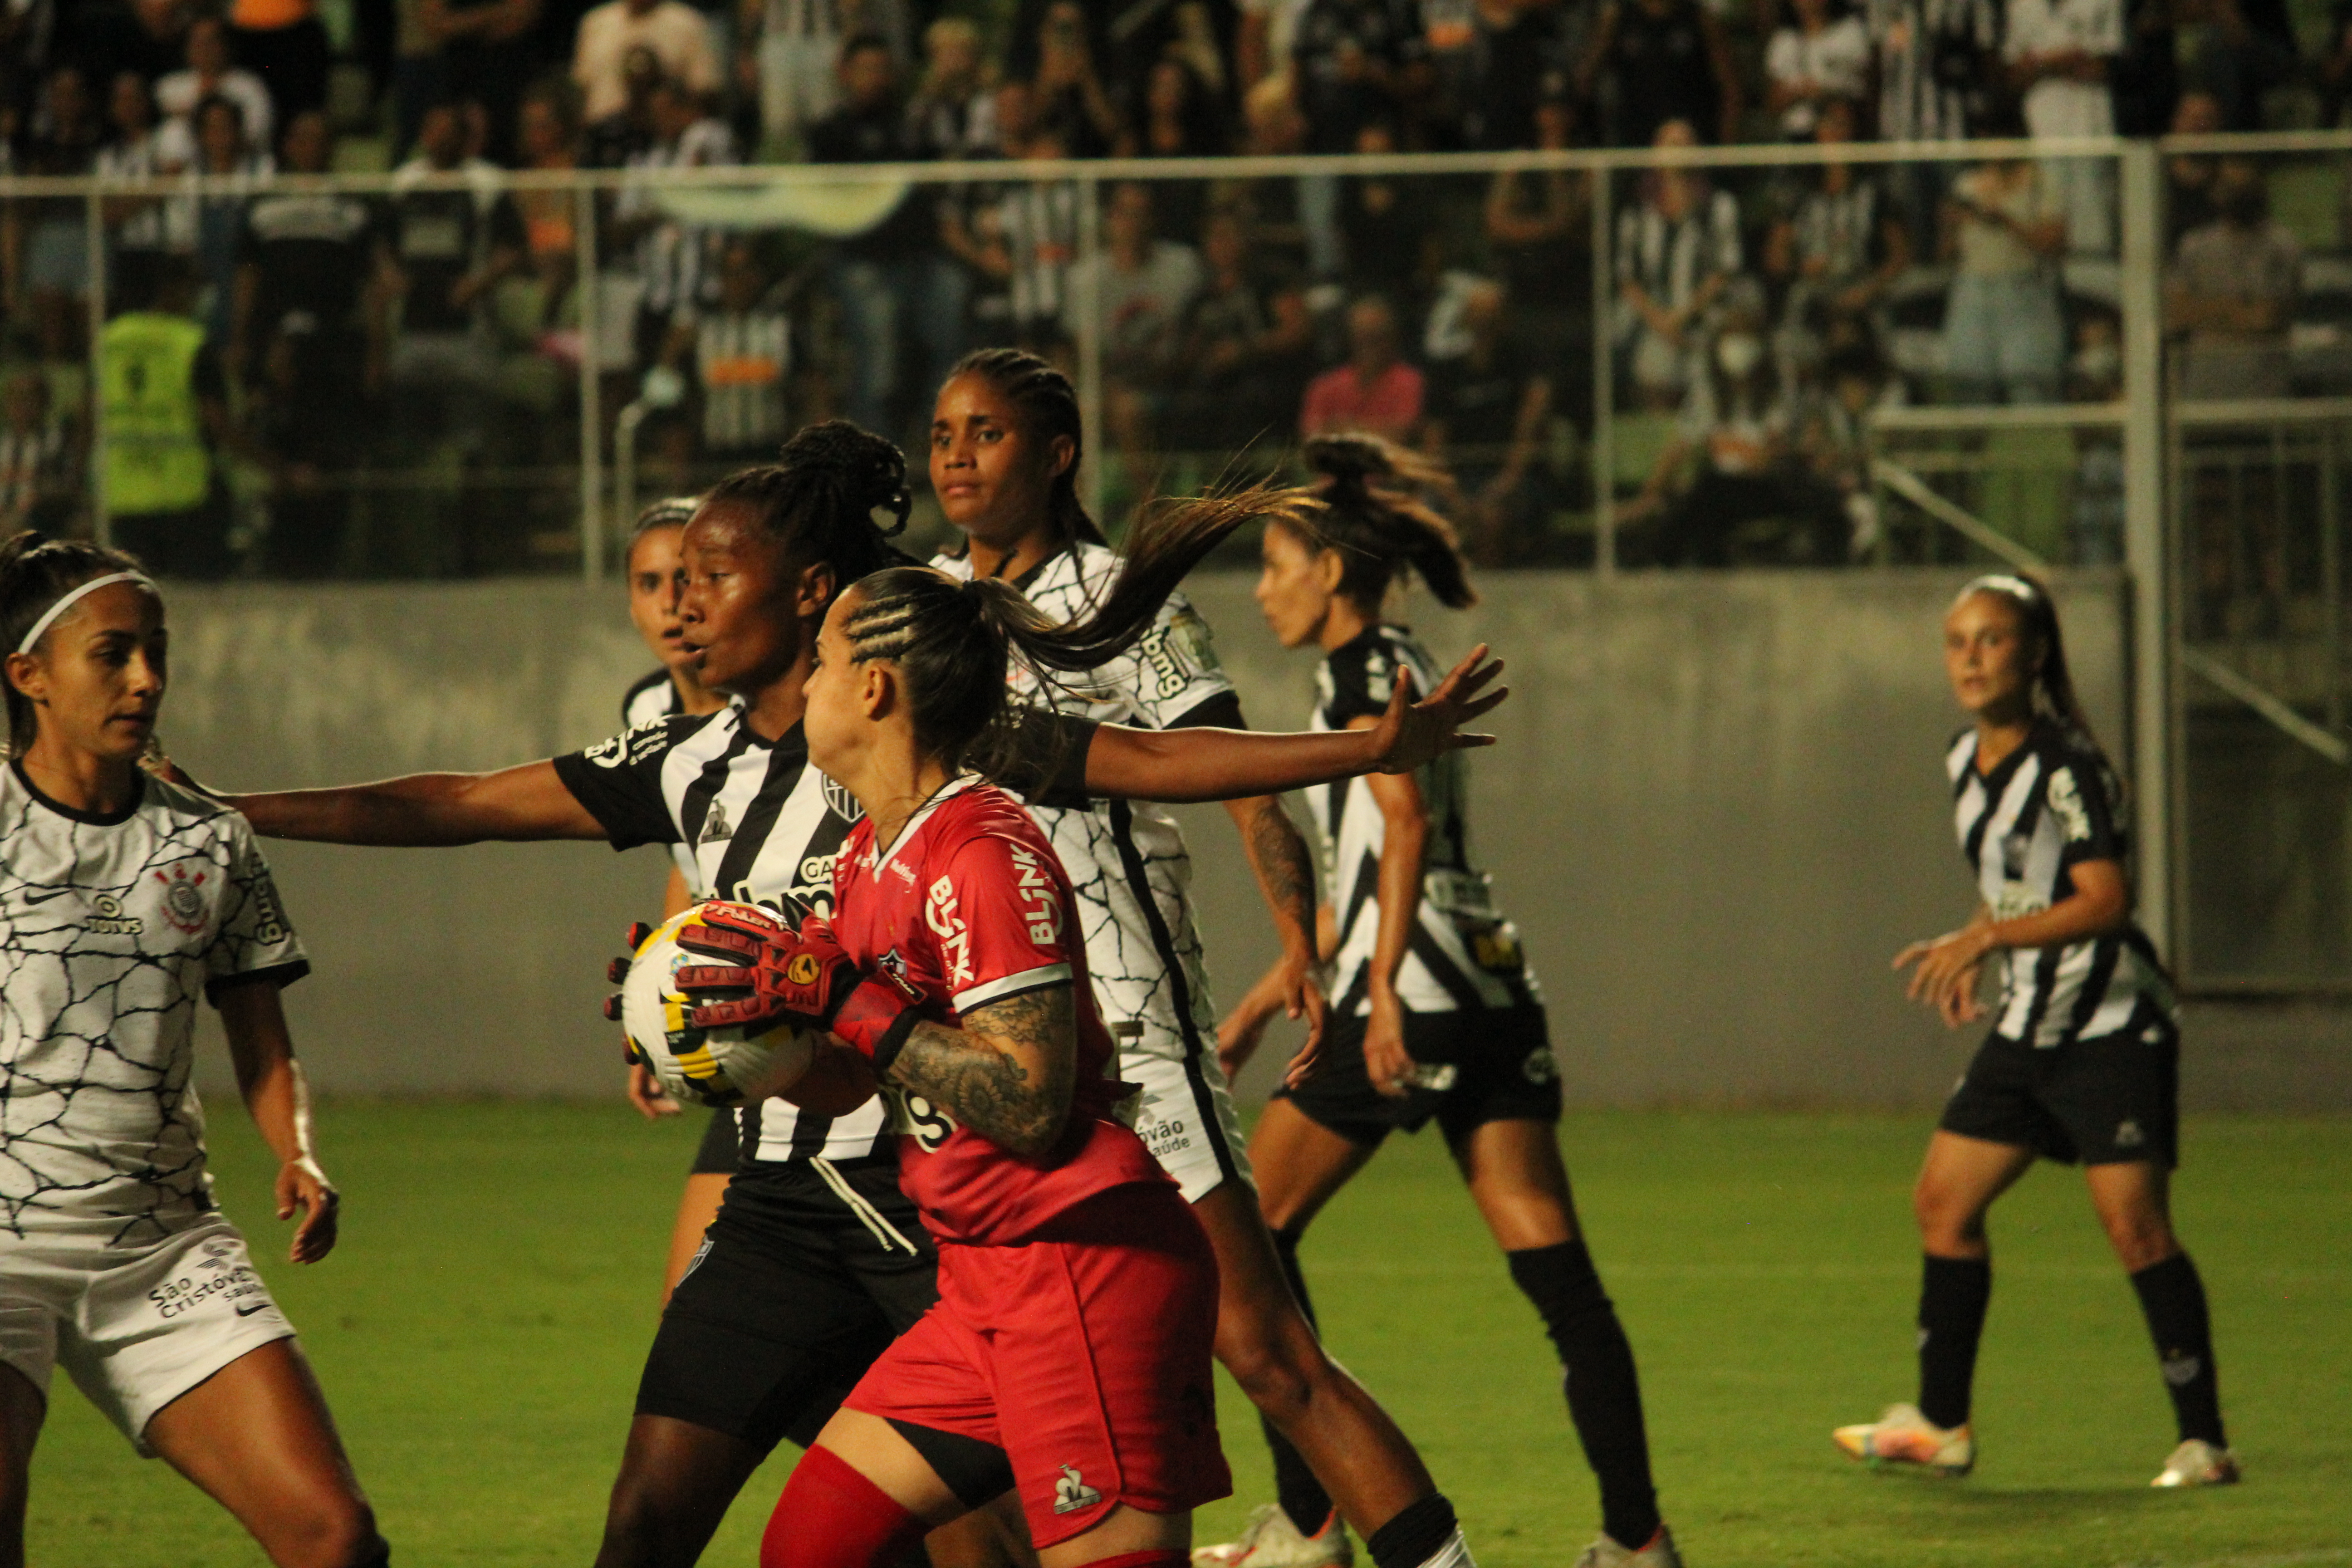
(210, 73)
(1137, 289)
(1068, 99)
(223, 154)
(150, 36)
(488, 51)
(953, 112)
(2060, 53)
(1662, 61)
(283, 43)
(44, 241)
(2232, 60)
(2334, 67)
(2189, 178)
(1487, 410)
(1263, 41)
(1540, 229)
(1375, 390)
(612, 142)
(1386, 230)
(449, 242)
(1247, 348)
(307, 435)
(2144, 83)
(1354, 62)
(740, 351)
(139, 225)
(27, 32)
(1834, 442)
(1298, 215)
(2003, 341)
(1677, 247)
(892, 280)
(786, 52)
(167, 408)
(1521, 56)
(1179, 119)
(678, 34)
(1938, 68)
(305, 258)
(1842, 251)
(673, 258)
(2231, 292)
(39, 467)
(1823, 54)
(971, 218)
(547, 134)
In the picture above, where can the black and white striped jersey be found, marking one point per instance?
(1126, 860)
(650, 697)
(2024, 827)
(1462, 954)
(762, 826)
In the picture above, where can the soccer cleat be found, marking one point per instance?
(1608, 1552)
(2197, 1463)
(1270, 1540)
(1903, 1436)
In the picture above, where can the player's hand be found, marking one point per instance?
(302, 1185)
(1387, 1064)
(1948, 968)
(778, 971)
(1301, 988)
(1410, 733)
(646, 1093)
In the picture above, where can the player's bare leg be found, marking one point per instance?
(676, 1480)
(698, 1205)
(256, 1435)
(21, 1411)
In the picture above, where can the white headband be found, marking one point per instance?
(50, 617)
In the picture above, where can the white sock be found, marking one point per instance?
(1454, 1554)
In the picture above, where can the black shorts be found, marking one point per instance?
(1479, 1066)
(2101, 1102)
(790, 1299)
(717, 1154)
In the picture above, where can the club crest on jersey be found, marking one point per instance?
(2066, 804)
(843, 803)
(955, 938)
(893, 965)
(184, 906)
(715, 827)
(105, 918)
(1041, 906)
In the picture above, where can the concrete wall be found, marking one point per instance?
(1716, 811)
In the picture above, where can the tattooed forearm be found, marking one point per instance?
(1286, 872)
(1007, 1074)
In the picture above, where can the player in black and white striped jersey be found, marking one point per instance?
(2082, 1063)
(815, 1260)
(1435, 1014)
(673, 688)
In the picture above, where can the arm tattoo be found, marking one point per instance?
(1284, 869)
(971, 1073)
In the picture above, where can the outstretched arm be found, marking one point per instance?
(1233, 764)
(527, 802)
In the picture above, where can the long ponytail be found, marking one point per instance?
(2053, 691)
(955, 642)
(1049, 405)
(1372, 515)
(34, 573)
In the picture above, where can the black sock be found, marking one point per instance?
(1604, 1393)
(1953, 1292)
(1413, 1536)
(1302, 1497)
(2172, 1298)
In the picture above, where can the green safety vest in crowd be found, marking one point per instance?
(156, 459)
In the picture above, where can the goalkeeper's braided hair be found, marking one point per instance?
(953, 641)
(1373, 514)
(818, 499)
(34, 573)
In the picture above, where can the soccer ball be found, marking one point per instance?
(702, 1067)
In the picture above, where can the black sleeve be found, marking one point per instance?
(1054, 749)
(1359, 679)
(618, 781)
(2080, 794)
(1221, 711)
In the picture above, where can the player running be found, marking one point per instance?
(816, 1259)
(1434, 1011)
(1068, 1358)
(673, 689)
(1005, 446)
(2083, 1057)
(126, 899)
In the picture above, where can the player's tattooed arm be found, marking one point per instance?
(1286, 875)
(1008, 1074)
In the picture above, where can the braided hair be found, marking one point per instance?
(954, 641)
(2053, 687)
(818, 499)
(34, 573)
(1049, 407)
(1381, 528)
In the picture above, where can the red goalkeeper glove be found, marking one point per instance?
(801, 975)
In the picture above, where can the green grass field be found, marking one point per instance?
(481, 1329)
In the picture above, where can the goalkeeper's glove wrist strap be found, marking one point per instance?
(876, 1020)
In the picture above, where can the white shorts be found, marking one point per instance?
(135, 1327)
(1186, 1118)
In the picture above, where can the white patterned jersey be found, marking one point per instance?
(1126, 859)
(112, 926)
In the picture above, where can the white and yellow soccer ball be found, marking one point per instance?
(702, 1067)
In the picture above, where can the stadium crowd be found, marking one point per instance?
(311, 383)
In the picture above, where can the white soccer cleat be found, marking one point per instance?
(1903, 1436)
(1657, 1552)
(2197, 1463)
(1270, 1540)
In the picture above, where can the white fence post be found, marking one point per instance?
(2147, 555)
